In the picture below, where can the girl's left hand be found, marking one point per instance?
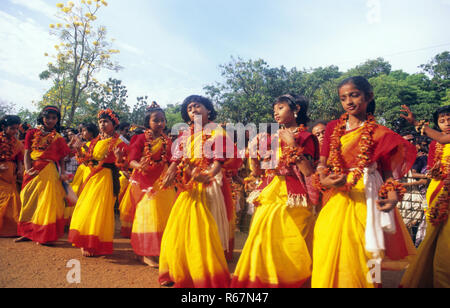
(387, 205)
(118, 152)
(64, 177)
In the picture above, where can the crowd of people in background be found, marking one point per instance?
(338, 196)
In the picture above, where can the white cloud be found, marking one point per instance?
(38, 6)
(21, 95)
(23, 46)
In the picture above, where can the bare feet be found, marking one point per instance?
(167, 284)
(86, 253)
(22, 239)
(150, 261)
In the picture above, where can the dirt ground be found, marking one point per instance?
(27, 265)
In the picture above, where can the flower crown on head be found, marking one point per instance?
(154, 105)
(110, 114)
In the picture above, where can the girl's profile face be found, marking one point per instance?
(319, 132)
(195, 109)
(282, 113)
(106, 126)
(86, 134)
(50, 120)
(157, 122)
(11, 131)
(354, 101)
(444, 122)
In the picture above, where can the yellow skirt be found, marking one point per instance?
(339, 254)
(81, 174)
(9, 201)
(132, 196)
(277, 253)
(42, 215)
(192, 255)
(92, 225)
(431, 269)
(150, 220)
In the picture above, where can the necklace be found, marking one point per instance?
(365, 146)
(438, 213)
(147, 160)
(41, 141)
(6, 147)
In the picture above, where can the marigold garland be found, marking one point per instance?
(87, 157)
(7, 145)
(185, 180)
(147, 160)
(41, 142)
(335, 160)
(438, 213)
(392, 185)
(290, 155)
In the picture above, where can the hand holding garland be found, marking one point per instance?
(390, 194)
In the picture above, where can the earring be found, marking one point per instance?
(295, 115)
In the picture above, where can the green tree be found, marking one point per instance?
(112, 95)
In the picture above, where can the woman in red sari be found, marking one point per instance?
(42, 215)
(11, 164)
(359, 224)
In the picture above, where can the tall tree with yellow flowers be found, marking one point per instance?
(84, 51)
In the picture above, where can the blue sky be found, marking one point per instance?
(173, 48)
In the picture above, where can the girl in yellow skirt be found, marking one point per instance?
(92, 225)
(11, 164)
(431, 269)
(149, 157)
(277, 253)
(359, 224)
(42, 215)
(88, 133)
(197, 233)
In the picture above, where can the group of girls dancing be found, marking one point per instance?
(322, 213)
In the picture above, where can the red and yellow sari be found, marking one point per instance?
(153, 204)
(431, 269)
(277, 253)
(197, 234)
(9, 196)
(42, 215)
(92, 224)
(341, 254)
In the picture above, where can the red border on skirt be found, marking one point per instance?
(146, 244)
(42, 234)
(91, 243)
(257, 283)
(219, 281)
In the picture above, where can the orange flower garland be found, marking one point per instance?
(87, 157)
(110, 114)
(365, 146)
(6, 147)
(147, 161)
(438, 213)
(185, 180)
(41, 142)
(392, 185)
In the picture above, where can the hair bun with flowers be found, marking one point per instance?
(111, 114)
